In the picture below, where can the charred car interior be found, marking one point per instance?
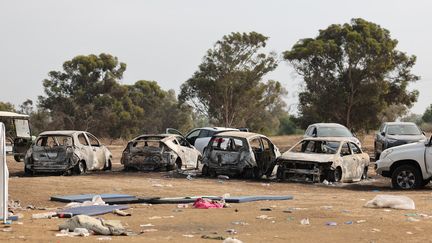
(160, 152)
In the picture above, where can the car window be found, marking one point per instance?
(334, 132)
(308, 131)
(320, 147)
(267, 144)
(93, 140)
(256, 144)
(345, 150)
(227, 144)
(82, 140)
(193, 134)
(381, 129)
(183, 142)
(403, 129)
(205, 134)
(355, 149)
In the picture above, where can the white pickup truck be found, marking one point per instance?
(409, 166)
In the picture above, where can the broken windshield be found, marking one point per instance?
(52, 141)
(227, 144)
(318, 147)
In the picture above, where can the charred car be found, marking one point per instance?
(160, 152)
(69, 152)
(245, 154)
(318, 159)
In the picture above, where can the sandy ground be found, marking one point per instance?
(319, 203)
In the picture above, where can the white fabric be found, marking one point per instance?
(391, 201)
(4, 175)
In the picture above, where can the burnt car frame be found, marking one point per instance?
(69, 152)
(245, 154)
(318, 159)
(160, 152)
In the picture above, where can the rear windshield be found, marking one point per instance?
(333, 132)
(316, 147)
(55, 140)
(227, 144)
(148, 142)
(405, 129)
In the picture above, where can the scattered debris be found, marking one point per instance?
(375, 230)
(46, 215)
(305, 221)
(183, 205)
(99, 226)
(264, 217)
(223, 177)
(348, 222)
(148, 230)
(391, 201)
(121, 213)
(239, 223)
(265, 184)
(146, 225)
(232, 240)
(188, 236)
(331, 224)
(265, 209)
(411, 219)
(104, 238)
(361, 221)
(409, 232)
(205, 203)
(213, 237)
(96, 200)
(76, 232)
(189, 177)
(231, 231)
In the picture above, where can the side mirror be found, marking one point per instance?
(382, 133)
(33, 138)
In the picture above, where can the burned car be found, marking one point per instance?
(318, 159)
(69, 152)
(245, 154)
(160, 152)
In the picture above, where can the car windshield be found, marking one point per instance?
(54, 140)
(404, 129)
(227, 144)
(333, 132)
(316, 147)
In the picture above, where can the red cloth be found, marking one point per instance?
(207, 203)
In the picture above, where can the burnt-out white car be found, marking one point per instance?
(318, 159)
(234, 153)
(160, 152)
(69, 152)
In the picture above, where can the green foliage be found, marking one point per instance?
(6, 106)
(416, 118)
(427, 115)
(228, 87)
(87, 95)
(287, 125)
(352, 72)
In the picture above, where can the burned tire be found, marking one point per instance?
(406, 177)
(335, 175)
(280, 173)
(80, 168)
(108, 165)
(205, 170)
(249, 173)
(365, 173)
(18, 158)
(28, 172)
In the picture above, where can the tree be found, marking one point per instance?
(427, 115)
(6, 106)
(228, 86)
(79, 95)
(352, 72)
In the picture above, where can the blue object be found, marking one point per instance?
(92, 210)
(89, 197)
(256, 198)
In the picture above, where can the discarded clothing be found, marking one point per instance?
(205, 203)
(98, 226)
(391, 201)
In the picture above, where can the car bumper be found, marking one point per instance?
(382, 166)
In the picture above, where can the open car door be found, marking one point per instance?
(173, 131)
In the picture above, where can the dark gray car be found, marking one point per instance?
(393, 134)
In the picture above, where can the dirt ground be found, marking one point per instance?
(342, 203)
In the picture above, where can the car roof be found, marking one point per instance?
(163, 135)
(334, 139)
(322, 124)
(400, 123)
(239, 134)
(12, 114)
(219, 128)
(60, 132)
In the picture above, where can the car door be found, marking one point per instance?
(97, 150)
(361, 159)
(268, 155)
(193, 136)
(428, 155)
(203, 140)
(349, 163)
(187, 153)
(85, 149)
(379, 139)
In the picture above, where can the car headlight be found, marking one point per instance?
(386, 153)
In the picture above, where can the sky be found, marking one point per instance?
(165, 41)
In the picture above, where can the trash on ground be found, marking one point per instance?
(331, 224)
(104, 238)
(264, 217)
(98, 226)
(121, 213)
(348, 222)
(305, 221)
(265, 209)
(76, 232)
(146, 225)
(375, 230)
(213, 237)
(223, 177)
(92, 210)
(148, 230)
(239, 223)
(391, 201)
(232, 240)
(231, 231)
(205, 203)
(46, 215)
(361, 221)
(411, 219)
(96, 200)
(182, 205)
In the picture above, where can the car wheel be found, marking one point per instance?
(108, 165)
(80, 168)
(178, 164)
(280, 173)
(28, 172)
(377, 155)
(335, 175)
(257, 173)
(365, 173)
(406, 177)
(248, 173)
(205, 170)
(18, 158)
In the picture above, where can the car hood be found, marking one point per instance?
(320, 158)
(407, 137)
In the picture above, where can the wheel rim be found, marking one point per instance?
(81, 167)
(337, 175)
(405, 179)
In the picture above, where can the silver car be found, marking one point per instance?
(68, 152)
(330, 130)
